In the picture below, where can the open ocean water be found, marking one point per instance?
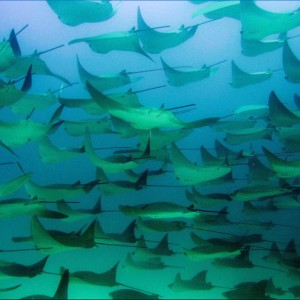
(215, 45)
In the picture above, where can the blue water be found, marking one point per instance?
(214, 97)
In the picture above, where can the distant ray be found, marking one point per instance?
(78, 12)
(291, 63)
(156, 41)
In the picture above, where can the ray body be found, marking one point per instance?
(189, 75)
(258, 23)
(240, 78)
(157, 225)
(78, 12)
(56, 192)
(190, 174)
(155, 41)
(131, 294)
(121, 41)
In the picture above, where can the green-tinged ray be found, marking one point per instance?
(252, 111)
(258, 172)
(9, 51)
(255, 192)
(240, 136)
(155, 41)
(248, 290)
(159, 210)
(191, 174)
(188, 75)
(291, 62)
(283, 168)
(113, 164)
(78, 12)
(240, 78)
(219, 9)
(105, 82)
(258, 23)
(14, 184)
(29, 102)
(121, 40)
(20, 207)
(235, 121)
(131, 294)
(9, 94)
(39, 66)
(14, 134)
(56, 192)
(108, 187)
(61, 292)
(256, 47)
(49, 153)
(11, 288)
(196, 283)
(157, 225)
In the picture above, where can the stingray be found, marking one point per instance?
(258, 23)
(22, 207)
(258, 191)
(157, 225)
(39, 66)
(252, 111)
(251, 209)
(189, 75)
(279, 114)
(105, 82)
(49, 153)
(131, 294)
(57, 242)
(143, 117)
(240, 136)
(78, 214)
(241, 78)
(113, 164)
(190, 174)
(254, 47)
(196, 283)
(61, 290)
(156, 41)
(291, 63)
(10, 94)
(94, 126)
(77, 12)
(144, 252)
(114, 41)
(159, 210)
(282, 168)
(249, 290)
(13, 185)
(9, 270)
(108, 187)
(206, 200)
(235, 121)
(56, 192)
(219, 9)
(258, 172)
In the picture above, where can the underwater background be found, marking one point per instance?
(217, 42)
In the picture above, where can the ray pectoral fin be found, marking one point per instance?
(28, 80)
(202, 122)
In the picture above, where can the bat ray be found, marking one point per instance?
(258, 23)
(39, 66)
(279, 114)
(240, 78)
(143, 117)
(155, 41)
(188, 75)
(190, 174)
(49, 153)
(120, 40)
(197, 282)
(13, 185)
(105, 82)
(282, 168)
(56, 192)
(78, 12)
